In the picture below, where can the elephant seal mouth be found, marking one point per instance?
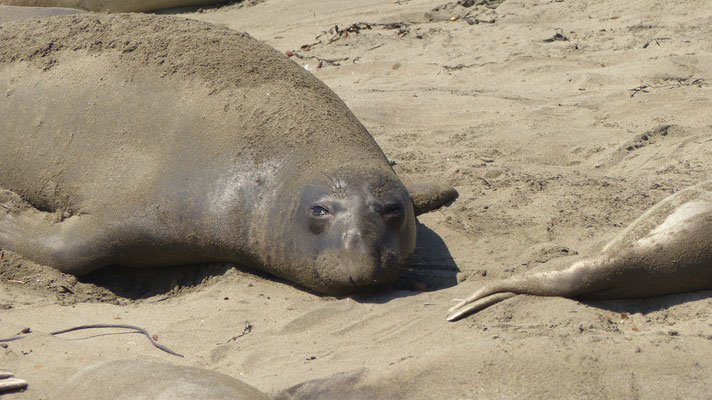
(344, 272)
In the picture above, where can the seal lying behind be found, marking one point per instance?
(145, 380)
(144, 140)
(110, 5)
(666, 250)
(10, 13)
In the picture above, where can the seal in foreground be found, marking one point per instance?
(144, 140)
(666, 250)
(146, 380)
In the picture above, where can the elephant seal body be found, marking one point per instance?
(666, 250)
(145, 380)
(144, 140)
(110, 5)
(11, 13)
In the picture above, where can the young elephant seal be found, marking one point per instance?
(144, 140)
(666, 250)
(110, 5)
(146, 380)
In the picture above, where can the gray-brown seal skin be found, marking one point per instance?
(666, 250)
(110, 5)
(145, 380)
(11, 13)
(144, 140)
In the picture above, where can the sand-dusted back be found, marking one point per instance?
(223, 62)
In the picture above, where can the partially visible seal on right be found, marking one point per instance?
(666, 250)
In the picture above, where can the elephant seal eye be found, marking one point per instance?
(392, 209)
(319, 211)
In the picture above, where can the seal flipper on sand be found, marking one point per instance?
(428, 197)
(83, 243)
(666, 250)
(8, 383)
(64, 243)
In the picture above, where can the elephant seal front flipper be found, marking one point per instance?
(427, 197)
(666, 250)
(83, 243)
(53, 239)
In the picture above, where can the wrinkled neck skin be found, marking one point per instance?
(336, 231)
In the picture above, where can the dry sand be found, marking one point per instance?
(559, 122)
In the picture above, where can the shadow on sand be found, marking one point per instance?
(431, 268)
(649, 304)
